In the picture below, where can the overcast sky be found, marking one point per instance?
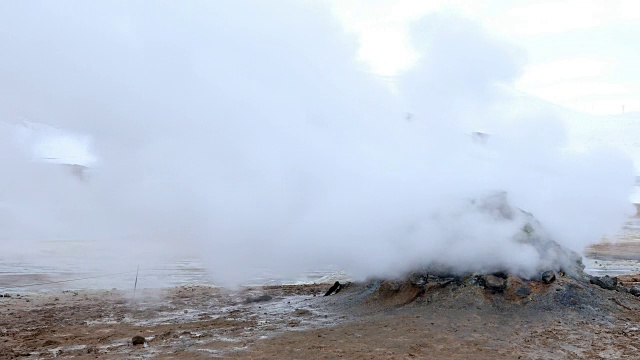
(582, 54)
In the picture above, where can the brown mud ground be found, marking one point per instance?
(446, 319)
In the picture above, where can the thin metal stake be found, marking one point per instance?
(135, 285)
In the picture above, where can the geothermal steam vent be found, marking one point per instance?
(518, 244)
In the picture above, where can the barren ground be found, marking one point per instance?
(378, 320)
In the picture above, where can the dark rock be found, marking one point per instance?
(138, 340)
(548, 277)
(494, 283)
(257, 299)
(635, 290)
(605, 282)
(336, 287)
(523, 291)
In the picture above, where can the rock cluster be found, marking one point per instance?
(500, 282)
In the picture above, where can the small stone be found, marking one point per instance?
(548, 277)
(138, 340)
(635, 290)
(495, 283)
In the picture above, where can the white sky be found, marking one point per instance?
(582, 54)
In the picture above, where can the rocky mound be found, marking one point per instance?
(558, 283)
(490, 316)
(528, 236)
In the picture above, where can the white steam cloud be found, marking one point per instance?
(245, 132)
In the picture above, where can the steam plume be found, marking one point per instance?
(246, 133)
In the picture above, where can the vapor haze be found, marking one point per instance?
(245, 132)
